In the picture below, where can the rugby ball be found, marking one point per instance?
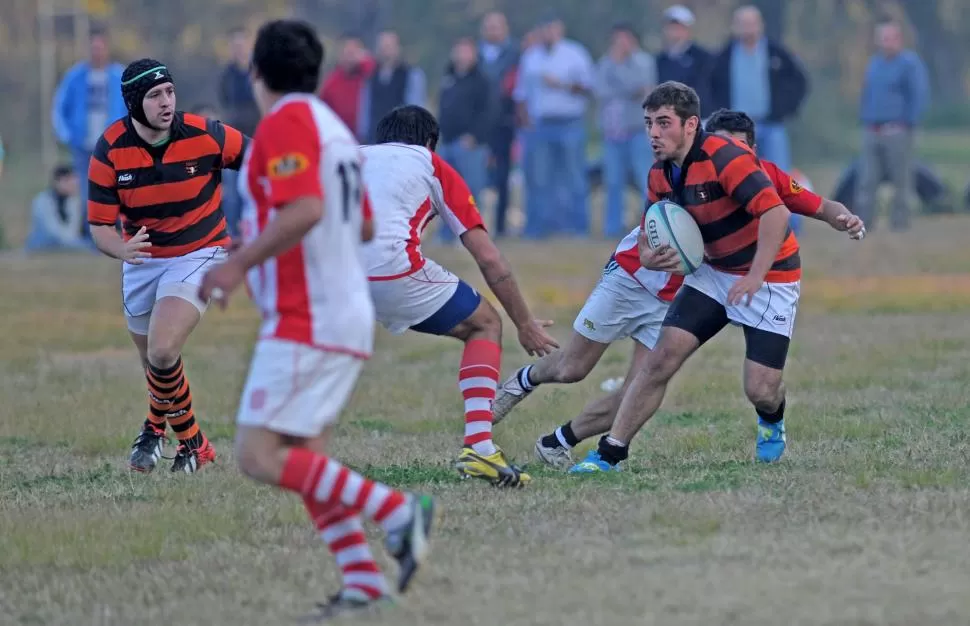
(668, 223)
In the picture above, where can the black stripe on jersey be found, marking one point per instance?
(176, 209)
(192, 234)
(723, 156)
(704, 193)
(753, 184)
(725, 226)
(101, 195)
(216, 130)
(743, 258)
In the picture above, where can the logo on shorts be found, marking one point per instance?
(288, 165)
(588, 324)
(192, 168)
(702, 196)
(257, 399)
(779, 319)
(794, 186)
(126, 178)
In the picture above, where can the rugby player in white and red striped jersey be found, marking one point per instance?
(303, 223)
(409, 185)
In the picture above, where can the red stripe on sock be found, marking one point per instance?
(394, 500)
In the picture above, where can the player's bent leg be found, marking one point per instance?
(692, 320)
(764, 364)
(149, 446)
(596, 419)
(569, 365)
(173, 319)
(281, 441)
(481, 331)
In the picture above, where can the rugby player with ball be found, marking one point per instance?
(631, 301)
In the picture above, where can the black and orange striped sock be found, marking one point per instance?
(171, 399)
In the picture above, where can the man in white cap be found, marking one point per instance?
(682, 60)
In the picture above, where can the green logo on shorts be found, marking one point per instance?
(588, 324)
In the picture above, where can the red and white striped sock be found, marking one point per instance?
(342, 531)
(321, 479)
(478, 380)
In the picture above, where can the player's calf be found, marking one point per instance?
(569, 365)
(765, 354)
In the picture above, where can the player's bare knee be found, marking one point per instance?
(764, 392)
(256, 461)
(163, 354)
(663, 363)
(485, 323)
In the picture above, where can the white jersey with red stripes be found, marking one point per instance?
(315, 293)
(409, 186)
(664, 285)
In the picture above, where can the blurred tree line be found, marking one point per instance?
(832, 37)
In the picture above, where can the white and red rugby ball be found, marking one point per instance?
(668, 223)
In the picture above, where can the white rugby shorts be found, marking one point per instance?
(296, 389)
(620, 307)
(156, 278)
(772, 308)
(404, 302)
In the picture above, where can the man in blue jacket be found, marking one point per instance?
(87, 100)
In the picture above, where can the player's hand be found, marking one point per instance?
(743, 291)
(851, 224)
(663, 259)
(535, 339)
(219, 282)
(134, 250)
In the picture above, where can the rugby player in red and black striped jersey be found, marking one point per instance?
(750, 277)
(160, 170)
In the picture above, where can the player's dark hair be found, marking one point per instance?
(731, 122)
(288, 56)
(61, 171)
(678, 96)
(409, 124)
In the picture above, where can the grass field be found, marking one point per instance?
(865, 522)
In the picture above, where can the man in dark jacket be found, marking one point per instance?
(498, 56)
(682, 60)
(466, 116)
(761, 78)
(239, 108)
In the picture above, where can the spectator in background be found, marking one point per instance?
(624, 76)
(393, 83)
(895, 94)
(465, 114)
(344, 86)
(682, 60)
(86, 101)
(555, 82)
(240, 110)
(763, 79)
(3, 237)
(56, 216)
(498, 57)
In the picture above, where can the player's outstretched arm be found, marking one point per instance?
(498, 274)
(839, 217)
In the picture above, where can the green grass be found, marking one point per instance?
(864, 522)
